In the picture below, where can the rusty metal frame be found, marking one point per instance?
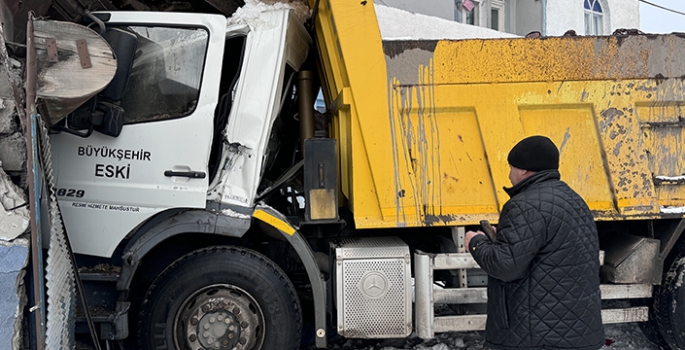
(36, 251)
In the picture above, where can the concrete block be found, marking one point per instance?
(14, 213)
(13, 260)
(12, 225)
(13, 152)
(8, 103)
(8, 118)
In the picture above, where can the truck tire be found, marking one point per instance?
(669, 304)
(221, 298)
(650, 328)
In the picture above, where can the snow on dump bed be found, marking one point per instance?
(252, 8)
(398, 24)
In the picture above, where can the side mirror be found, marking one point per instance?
(112, 120)
(99, 113)
(104, 117)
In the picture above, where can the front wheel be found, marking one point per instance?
(221, 298)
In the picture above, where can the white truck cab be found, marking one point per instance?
(184, 67)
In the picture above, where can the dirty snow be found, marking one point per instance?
(249, 13)
(673, 210)
(671, 178)
(234, 214)
(396, 24)
(626, 336)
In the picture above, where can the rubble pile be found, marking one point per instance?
(14, 208)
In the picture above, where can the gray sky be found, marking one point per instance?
(656, 20)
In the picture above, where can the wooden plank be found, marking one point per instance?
(480, 296)
(625, 291)
(465, 261)
(633, 314)
(460, 296)
(477, 322)
(454, 261)
(459, 323)
(65, 85)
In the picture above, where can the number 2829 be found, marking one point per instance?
(70, 192)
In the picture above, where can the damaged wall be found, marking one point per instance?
(14, 209)
(13, 260)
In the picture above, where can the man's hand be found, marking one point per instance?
(469, 235)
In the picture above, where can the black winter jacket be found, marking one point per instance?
(543, 268)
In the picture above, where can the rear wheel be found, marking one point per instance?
(650, 328)
(221, 298)
(669, 304)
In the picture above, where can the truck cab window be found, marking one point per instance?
(166, 73)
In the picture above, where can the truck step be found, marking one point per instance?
(426, 297)
(99, 276)
(453, 261)
(480, 295)
(97, 314)
(477, 322)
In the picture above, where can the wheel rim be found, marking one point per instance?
(219, 317)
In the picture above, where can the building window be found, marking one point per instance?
(594, 24)
(497, 15)
(463, 15)
(484, 13)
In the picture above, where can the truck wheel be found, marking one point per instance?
(669, 304)
(650, 328)
(221, 298)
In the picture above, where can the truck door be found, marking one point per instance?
(108, 186)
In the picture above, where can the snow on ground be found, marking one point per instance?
(626, 336)
(396, 24)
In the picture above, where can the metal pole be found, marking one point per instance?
(36, 245)
(423, 278)
(305, 104)
(458, 234)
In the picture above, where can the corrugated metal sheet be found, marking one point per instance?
(59, 271)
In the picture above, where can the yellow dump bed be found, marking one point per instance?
(424, 127)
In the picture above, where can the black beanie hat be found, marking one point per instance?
(534, 153)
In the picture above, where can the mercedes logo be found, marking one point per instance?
(374, 285)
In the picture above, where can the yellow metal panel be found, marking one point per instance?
(354, 65)
(573, 130)
(425, 126)
(560, 59)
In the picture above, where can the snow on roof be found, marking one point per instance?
(396, 24)
(252, 8)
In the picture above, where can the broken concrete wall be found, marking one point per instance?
(14, 208)
(13, 260)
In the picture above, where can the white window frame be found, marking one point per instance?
(500, 6)
(460, 13)
(594, 21)
(482, 13)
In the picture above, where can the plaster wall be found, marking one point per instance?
(570, 14)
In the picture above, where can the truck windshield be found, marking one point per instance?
(166, 73)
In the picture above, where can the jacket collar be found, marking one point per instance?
(540, 176)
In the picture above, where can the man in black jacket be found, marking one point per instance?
(543, 265)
